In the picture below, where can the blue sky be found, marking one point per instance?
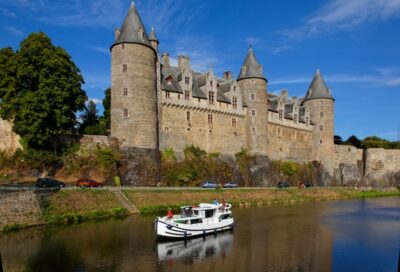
(355, 43)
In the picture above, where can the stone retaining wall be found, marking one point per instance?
(382, 166)
(21, 208)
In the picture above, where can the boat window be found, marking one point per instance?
(225, 216)
(209, 213)
(196, 212)
(186, 212)
(181, 221)
(196, 221)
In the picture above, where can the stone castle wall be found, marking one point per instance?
(176, 131)
(348, 165)
(289, 143)
(380, 166)
(9, 141)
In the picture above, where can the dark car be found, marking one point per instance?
(49, 183)
(88, 183)
(231, 185)
(308, 184)
(209, 184)
(283, 184)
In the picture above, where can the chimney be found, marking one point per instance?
(228, 75)
(184, 63)
(117, 32)
(165, 59)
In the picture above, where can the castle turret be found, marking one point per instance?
(133, 85)
(153, 39)
(253, 84)
(321, 106)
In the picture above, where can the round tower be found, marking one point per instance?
(253, 84)
(133, 85)
(321, 106)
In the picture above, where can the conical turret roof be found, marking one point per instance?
(153, 36)
(132, 30)
(251, 67)
(318, 88)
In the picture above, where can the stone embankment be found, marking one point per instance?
(20, 209)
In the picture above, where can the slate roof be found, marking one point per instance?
(129, 32)
(251, 67)
(318, 88)
(153, 36)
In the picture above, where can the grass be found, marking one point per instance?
(158, 201)
(72, 207)
(13, 227)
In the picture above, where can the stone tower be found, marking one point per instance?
(133, 85)
(321, 105)
(253, 83)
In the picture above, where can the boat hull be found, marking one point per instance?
(170, 231)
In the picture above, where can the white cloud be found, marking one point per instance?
(13, 30)
(102, 50)
(344, 15)
(7, 13)
(383, 78)
(95, 101)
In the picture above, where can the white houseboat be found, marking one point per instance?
(195, 221)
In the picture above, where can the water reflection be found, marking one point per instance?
(359, 235)
(196, 249)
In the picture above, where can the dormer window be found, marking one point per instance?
(169, 80)
(124, 68)
(187, 80)
(211, 83)
(234, 102)
(295, 118)
(211, 97)
(280, 114)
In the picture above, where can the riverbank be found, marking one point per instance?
(75, 206)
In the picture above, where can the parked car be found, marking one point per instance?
(49, 183)
(308, 184)
(209, 184)
(231, 185)
(87, 183)
(283, 184)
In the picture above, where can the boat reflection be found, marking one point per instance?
(196, 249)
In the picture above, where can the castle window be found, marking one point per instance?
(210, 119)
(307, 121)
(321, 114)
(167, 94)
(252, 96)
(125, 91)
(320, 141)
(295, 118)
(124, 68)
(211, 83)
(166, 128)
(321, 128)
(179, 96)
(234, 88)
(123, 46)
(280, 115)
(126, 113)
(253, 130)
(198, 100)
(234, 122)
(187, 95)
(188, 116)
(211, 97)
(253, 112)
(187, 79)
(234, 102)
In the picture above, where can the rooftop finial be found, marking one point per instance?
(132, 3)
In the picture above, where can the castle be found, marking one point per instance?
(155, 105)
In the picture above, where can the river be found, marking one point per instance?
(351, 235)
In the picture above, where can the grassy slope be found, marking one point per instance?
(157, 201)
(80, 205)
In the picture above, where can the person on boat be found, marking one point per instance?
(170, 214)
(223, 204)
(215, 202)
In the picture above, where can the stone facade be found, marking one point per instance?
(382, 166)
(9, 141)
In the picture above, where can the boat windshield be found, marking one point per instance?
(186, 212)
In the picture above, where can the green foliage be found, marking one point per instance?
(194, 153)
(76, 218)
(376, 142)
(117, 181)
(106, 158)
(244, 160)
(41, 91)
(354, 141)
(107, 108)
(13, 227)
(288, 168)
(168, 155)
(337, 140)
(89, 117)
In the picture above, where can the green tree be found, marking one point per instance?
(337, 140)
(376, 142)
(354, 141)
(107, 108)
(90, 118)
(41, 91)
